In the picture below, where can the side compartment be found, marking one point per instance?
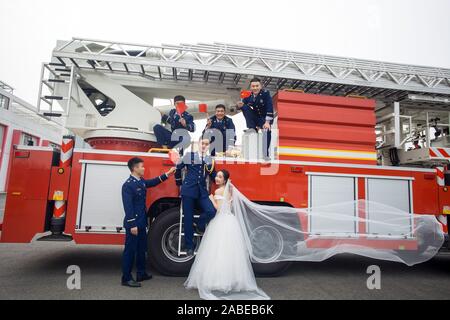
(26, 201)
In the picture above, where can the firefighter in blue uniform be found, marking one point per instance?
(199, 166)
(220, 123)
(134, 192)
(258, 111)
(178, 124)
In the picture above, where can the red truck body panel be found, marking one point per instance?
(323, 128)
(27, 191)
(30, 186)
(338, 136)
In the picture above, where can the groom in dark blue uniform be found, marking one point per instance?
(134, 192)
(199, 166)
(258, 111)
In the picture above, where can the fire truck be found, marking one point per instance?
(344, 130)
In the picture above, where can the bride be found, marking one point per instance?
(222, 267)
(244, 231)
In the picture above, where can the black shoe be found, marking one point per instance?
(144, 277)
(131, 283)
(198, 230)
(190, 253)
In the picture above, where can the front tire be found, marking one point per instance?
(163, 245)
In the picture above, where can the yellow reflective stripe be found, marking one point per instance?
(326, 153)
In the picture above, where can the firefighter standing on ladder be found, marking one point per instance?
(193, 190)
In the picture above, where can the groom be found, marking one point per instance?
(199, 166)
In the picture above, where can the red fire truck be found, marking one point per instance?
(333, 142)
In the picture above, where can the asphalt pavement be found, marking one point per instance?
(38, 271)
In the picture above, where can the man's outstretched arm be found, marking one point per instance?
(155, 181)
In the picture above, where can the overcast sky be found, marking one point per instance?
(406, 31)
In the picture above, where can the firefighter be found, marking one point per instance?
(134, 192)
(223, 125)
(179, 122)
(194, 191)
(258, 111)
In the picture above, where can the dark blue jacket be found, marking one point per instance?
(134, 193)
(174, 120)
(261, 104)
(197, 171)
(223, 125)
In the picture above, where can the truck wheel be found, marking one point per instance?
(163, 245)
(273, 269)
(268, 245)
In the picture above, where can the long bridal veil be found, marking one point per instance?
(366, 228)
(243, 232)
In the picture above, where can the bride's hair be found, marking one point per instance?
(226, 175)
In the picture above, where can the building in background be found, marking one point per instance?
(20, 124)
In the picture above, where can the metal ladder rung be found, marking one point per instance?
(52, 75)
(195, 234)
(56, 64)
(52, 114)
(55, 98)
(58, 80)
(184, 252)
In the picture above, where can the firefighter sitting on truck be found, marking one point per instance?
(134, 192)
(180, 120)
(258, 111)
(220, 126)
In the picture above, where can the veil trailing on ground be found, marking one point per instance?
(366, 228)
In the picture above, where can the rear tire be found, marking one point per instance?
(163, 245)
(268, 245)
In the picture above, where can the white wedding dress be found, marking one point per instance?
(222, 268)
(244, 231)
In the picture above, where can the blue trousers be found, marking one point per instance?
(135, 250)
(207, 213)
(164, 138)
(253, 120)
